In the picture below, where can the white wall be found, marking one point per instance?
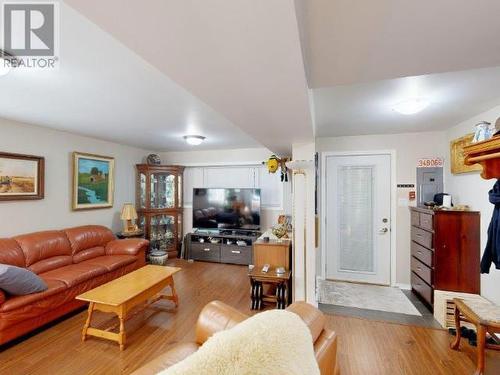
(471, 189)
(235, 157)
(409, 148)
(54, 211)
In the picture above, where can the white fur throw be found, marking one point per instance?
(272, 342)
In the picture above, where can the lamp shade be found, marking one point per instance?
(128, 212)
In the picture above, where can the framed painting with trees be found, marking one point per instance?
(93, 181)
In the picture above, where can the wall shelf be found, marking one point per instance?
(487, 154)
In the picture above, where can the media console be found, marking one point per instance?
(221, 246)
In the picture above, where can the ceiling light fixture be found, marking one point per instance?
(411, 106)
(194, 140)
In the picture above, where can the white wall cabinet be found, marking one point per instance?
(272, 188)
(193, 177)
(229, 177)
(252, 176)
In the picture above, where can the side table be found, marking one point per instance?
(279, 282)
(486, 318)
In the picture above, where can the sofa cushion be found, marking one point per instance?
(93, 252)
(40, 246)
(12, 303)
(88, 236)
(75, 273)
(11, 253)
(50, 264)
(2, 296)
(19, 281)
(111, 262)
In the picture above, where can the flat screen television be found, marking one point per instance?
(218, 208)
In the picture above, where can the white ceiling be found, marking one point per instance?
(353, 41)
(104, 90)
(145, 73)
(368, 108)
(241, 57)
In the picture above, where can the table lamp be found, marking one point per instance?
(128, 215)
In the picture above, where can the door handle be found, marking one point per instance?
(383, 231)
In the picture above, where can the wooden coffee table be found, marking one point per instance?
(143, 286)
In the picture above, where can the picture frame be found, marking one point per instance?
(22, 177)
(93, 181)
(457, 155)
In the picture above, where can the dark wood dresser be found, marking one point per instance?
(444, 252)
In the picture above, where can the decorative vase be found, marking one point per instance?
(483, 132)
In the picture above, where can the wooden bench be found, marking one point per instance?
(486, 317)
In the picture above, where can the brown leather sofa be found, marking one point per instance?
(70, 261)
(217, 316)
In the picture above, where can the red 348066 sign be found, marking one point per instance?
(430, 162)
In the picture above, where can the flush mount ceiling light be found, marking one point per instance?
(411, 106)
(194, 140)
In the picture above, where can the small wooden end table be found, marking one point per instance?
(486, 318)
(119, 296)
(257, 281)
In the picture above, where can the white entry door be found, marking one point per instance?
(358, 218)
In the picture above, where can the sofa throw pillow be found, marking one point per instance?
(20, 281)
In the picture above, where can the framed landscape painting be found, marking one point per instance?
(93, 181)
(21, 177)
(457, 155)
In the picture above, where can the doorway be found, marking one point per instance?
(357, 206)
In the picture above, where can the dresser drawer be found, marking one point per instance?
(205, 251)
(421, 270)
(421, 253)
(419, 286)
(426, 221)
(236, 254)
(421, 237)
(415, 218)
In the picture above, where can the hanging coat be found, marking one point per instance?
(492, 250)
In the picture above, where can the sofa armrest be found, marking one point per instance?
(2, 296)
(325, 350)
(128, 246)
(215, 317)
(313, 317)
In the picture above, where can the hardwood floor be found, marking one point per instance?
(365, 347)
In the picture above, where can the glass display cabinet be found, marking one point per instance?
(159, 206)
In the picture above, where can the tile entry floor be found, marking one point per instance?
(375, 303)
